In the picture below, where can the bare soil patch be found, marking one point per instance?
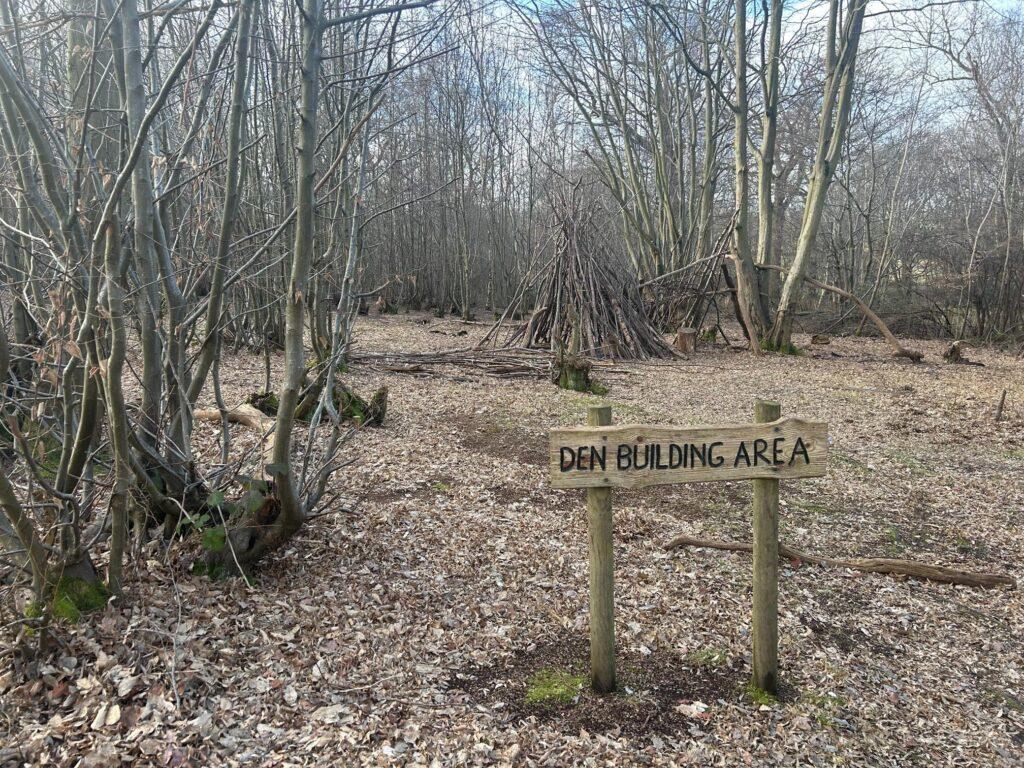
(502, 441)
(659, 692)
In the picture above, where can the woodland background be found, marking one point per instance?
(199, 199)
(183, 178)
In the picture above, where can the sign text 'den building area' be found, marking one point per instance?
(636, 455)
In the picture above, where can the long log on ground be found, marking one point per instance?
(912, 568)
(514, 363)
(898, 349)
(243, 414)
(248, 416)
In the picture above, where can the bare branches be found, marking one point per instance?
(372, 12)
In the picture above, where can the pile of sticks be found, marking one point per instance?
(587, 301)
(683, 296)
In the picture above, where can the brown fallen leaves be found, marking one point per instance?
(449, 552)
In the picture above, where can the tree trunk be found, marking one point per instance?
(832, 124)
(290, 516)
(766, 158)
(149, 303)
(754, 315)
(211, 342)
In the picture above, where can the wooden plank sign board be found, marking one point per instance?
(637, 455)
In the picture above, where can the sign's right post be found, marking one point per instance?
(765, 614)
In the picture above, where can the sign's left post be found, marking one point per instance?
(602, 606)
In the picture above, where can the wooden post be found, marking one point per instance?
(999, 408)
(765, 631)
(686, 340)
(602, 608)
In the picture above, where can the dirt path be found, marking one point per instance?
(400, 627)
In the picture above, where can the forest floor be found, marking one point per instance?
(402, 625)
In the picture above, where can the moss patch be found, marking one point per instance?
(915, 465)
(210, 570)
(265, 402)
(974, 547)
(72, 597)
(573, 410)
(816, 509)
(782, 349)
(853, 463)
(553, 687)
(823, 708)
(650, 688)
(759, 697)
(214, 539)
(352, 407)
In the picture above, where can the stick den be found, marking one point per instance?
(636, 456)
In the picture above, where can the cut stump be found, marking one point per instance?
(686, 340)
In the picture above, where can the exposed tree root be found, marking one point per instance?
(955, 354)
(910, 568)
(248, 539)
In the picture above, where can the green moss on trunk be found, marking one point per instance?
(265, 402)
(767, 345)
(352, 407)
(572, 372)
(71, 598)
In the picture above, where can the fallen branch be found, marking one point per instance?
(910, 568)
(516, 363)
(244, 414)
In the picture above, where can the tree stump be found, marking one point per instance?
(353, 408)
(686, 340)
(955, 353)
(572, 372)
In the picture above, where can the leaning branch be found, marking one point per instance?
(898, 349)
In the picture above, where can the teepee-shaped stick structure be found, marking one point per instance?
(588, 302)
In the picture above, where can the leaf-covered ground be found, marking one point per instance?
(403, 625)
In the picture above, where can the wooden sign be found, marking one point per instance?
(638, 455)
(599, 457)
